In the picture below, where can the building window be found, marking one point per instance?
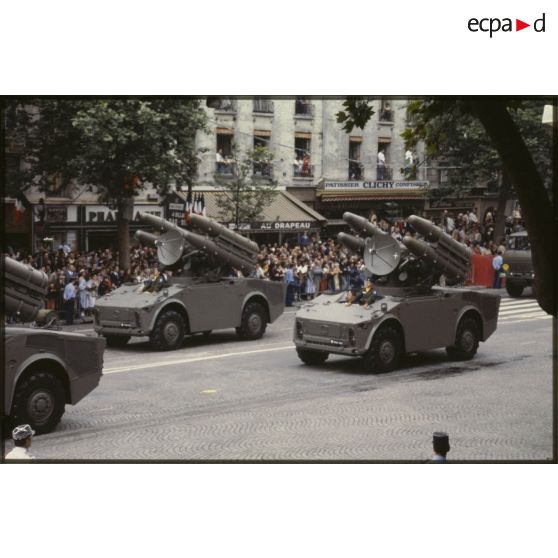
(226, 104)
(383, 168)
(386, 114)
(302, 163)
(303, 106)
(262, 159)
(261, 104)
(224, 163)
(355, 166)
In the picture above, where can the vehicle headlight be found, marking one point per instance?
(299, 329)
(352, 338)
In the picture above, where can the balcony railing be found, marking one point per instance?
(356, 171)
(263, 170)
(303, 107)
(303, 171)
(225, 167)
(383, 172)
(263, 105)
(386, 115)
(226, 105)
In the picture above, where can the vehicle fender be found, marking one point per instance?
(170, 302)
(462, 312)
(253, 294)
(29, 362)
(383, 319)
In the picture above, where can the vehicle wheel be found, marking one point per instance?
(312, 357)
(253, 322)
(384, 352)
(116, 341)
(39, 400)
(466, 340)
(514, 291)
(169, 331)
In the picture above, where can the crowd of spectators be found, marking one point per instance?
(309, 266)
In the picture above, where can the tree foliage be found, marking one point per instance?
(116, 145)
(513, 131)
(247, 188)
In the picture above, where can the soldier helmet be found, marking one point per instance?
(441, 442)
(22, 431)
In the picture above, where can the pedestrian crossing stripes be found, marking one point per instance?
(513, 311)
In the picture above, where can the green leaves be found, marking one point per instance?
(357, 112)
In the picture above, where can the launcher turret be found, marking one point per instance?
(412, 264)
(205, 246)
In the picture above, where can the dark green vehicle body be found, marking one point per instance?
(520, 273)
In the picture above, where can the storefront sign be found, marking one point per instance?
(276, 226)
(377, 185)
(100, 214)
(443, 203)
(56, 214)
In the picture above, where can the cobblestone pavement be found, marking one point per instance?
(219, 399)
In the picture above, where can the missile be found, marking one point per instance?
(360, 224)
(438, 258)
(146, 238)
(24, 289)
(212, 228)
(158, 222)
(351, 242)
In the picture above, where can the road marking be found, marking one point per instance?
(193, 359)
(535, 315)
(523, 310)
(209, 391)
(527, 320)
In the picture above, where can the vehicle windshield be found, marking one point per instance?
(519, 243)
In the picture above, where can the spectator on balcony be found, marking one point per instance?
(381, 165)
(306, 170)
(228, 165)
(298, 163)
(220, 161)
(355, 169)
(386, 112)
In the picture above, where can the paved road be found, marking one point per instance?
(219, 399)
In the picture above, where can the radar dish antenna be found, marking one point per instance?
(382, 254)
(170, 247)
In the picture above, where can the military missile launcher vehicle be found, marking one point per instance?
(203, 293)
(407, 313)
(44, 368)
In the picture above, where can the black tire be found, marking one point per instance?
(312, 357)
(39, 401)
(253, 323)
(515, 291)
(467, 340)
(168, 333)
(385, 351)
(116, 341)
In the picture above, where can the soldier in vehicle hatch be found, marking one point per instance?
(364, 297)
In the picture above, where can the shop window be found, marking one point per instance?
(303, 167)
(383, 168)
(355, 166)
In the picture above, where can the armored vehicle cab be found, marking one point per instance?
(519, 273)
(405, 313)
(44, 368)
(203, 291)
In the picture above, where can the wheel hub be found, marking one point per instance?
(254, 323)
(387, 352)
(467, 341)
(171, 332)
(40, 406)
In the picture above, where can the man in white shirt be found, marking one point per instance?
(381, 165)
(22, 436)
(69, 298)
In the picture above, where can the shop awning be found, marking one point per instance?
(286, 212)
(370, 195)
